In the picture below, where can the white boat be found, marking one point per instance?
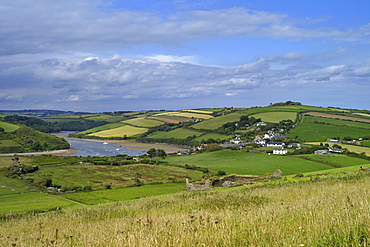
(105, 143)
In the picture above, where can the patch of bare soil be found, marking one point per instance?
(326, 115)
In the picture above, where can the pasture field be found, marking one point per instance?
(338, 122)
(248, 163)
(275, 117)
(327, 115)
(170, 119)
(32, 201)
(217, 122)
(199, 111)
(10, 186)
(321, 132)
(317, 211)
(107, 118)
(365, 143)
(8, 127)
(176, 133)
(143, 122)
(98, 176)
(125, 194)
(127, 130)
(102, 128)
(351, 148)
(339, 160)
(185, 114)
(213, 136)
(362, 114)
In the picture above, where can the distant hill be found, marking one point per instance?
(17, 138)
(39, 113)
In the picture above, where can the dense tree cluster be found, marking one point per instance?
(48, 127)
(286, 103)
(33, 122)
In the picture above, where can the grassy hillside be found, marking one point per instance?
(8, 127)
(317, 211)
(248, 163)
(177, 133)
(143, 122)
(275, 117)
(25, 139)
(215, 123)
(125, 130)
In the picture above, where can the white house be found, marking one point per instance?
(275, 144)
(279, 151)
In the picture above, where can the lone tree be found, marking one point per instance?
(158, 153)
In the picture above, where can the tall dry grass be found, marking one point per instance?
(334, 212)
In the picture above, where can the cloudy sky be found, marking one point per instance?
(108, 55)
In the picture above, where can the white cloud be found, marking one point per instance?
(65, 26)
(73, 98)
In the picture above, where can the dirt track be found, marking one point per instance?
(326, 115)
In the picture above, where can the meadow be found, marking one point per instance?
(320, 132)
(8, 127)
(275, 117)
(125, 130)
(102, 128)
(143, 122)
(233, 162)
(338, 160)
(308, 212)
(215, 123)
(337, 122)
(176, 133)
(33, 201)
(186, 114)
(213, 136)
(99, 176)
(351, 148)
(124, 194)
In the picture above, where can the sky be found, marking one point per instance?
(111, 55)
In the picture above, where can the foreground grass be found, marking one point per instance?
(333, 212)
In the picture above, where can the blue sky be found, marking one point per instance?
(96, 55)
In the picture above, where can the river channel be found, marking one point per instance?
(94, 148)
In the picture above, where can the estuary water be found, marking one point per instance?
(94, 148)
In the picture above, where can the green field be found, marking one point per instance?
(337, 122)
(143, 122)
(98, 176)
(213, 136)
(339, 160)
(176, 133)
(185, 114)
(125, 194)
(126, 130)
(351, 148)
(248, 163)
(25, 202)
(10, 186)
(215, 123)
(365, 143)
(8, 127)
(102, 128)
(321, 132)
(275, 117)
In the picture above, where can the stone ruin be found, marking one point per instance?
(207, 185)
(227, 181)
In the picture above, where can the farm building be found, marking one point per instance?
(322, 152)
(275, 144)
(280, 151)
